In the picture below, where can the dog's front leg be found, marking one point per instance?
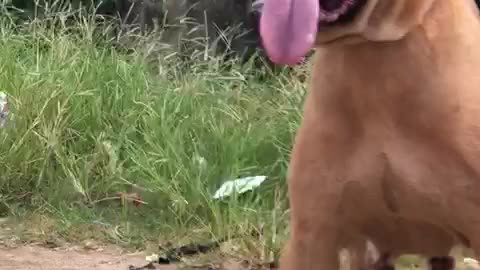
(313, 242)
(317, 173)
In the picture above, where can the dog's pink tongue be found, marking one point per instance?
(288, 29)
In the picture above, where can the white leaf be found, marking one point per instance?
(240, 185)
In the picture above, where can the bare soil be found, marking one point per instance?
(37, 257)
(34, 257)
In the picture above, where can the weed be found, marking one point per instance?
(88, 121)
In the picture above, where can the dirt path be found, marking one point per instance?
(41, 258)
(35, 257)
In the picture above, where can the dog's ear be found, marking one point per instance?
(391, 20)
(380, 20)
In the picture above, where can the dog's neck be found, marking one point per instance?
(422, 71)
(449, 35)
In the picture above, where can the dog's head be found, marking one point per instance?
(289, 28)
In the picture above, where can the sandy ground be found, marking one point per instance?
(41, 258)
(36, 257)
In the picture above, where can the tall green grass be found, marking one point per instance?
(87, 121)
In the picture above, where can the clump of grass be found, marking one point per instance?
(88, 121)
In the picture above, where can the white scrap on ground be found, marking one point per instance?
(239, 186)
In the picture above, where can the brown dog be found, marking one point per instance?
(389, 130)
